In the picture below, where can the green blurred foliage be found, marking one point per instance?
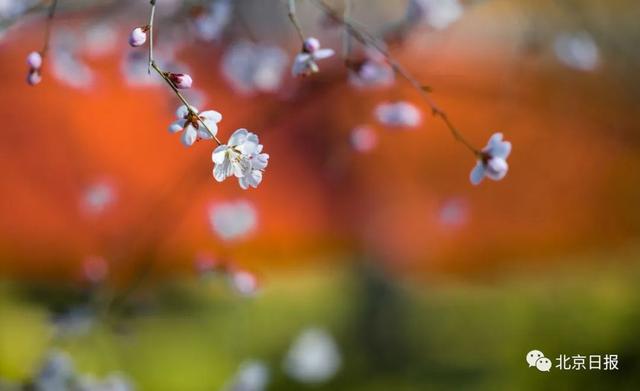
(393, 334)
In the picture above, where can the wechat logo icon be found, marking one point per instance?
(536, 358)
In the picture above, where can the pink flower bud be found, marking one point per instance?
(34, 77)
(181, 80)
(138, 37)
(34, 60)
(311, 45)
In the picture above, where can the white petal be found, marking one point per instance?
(244, 182)
(219, 172)
(255, 178)
(260, 162)
(212, 126)
(219, 154)
(177, 126)
(477, 174)
(189, 136)
(494, 139)
(496, 169)
(501, 150)
(211, 115)
(238, 137)
(182, 111)
(323, 53)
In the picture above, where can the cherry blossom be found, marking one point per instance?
(241, 157)
(195, 125)
(305, 61)
(493, 160)
(399, 114)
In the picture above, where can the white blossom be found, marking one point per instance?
(493, 160)
(438, 14)
(233, 220)
(577, 51)
(194, 124)
(305, 62)
(399, 114)
(251, 67)
(241, 157)
(313, 358)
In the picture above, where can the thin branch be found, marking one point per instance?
(294, 19)
(47, 32)
(184, 101)
(165, 75)
(151, 18)
(360, 33)
(346, 35)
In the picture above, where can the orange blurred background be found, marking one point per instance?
(572, 185)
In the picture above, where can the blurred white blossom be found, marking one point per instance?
(100, 39)
(56, 373)
(214, 18)
(244, 282)
(399, 114)
(438, 14)
(251, 67)
(252, 375)
(493, 161)
(233, 220)
(578, 51)
(314, 357)
(67, 65)
(372, 72)
(98, 197)
(12, 8)
(305, 62)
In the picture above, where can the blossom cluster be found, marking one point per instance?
(241, 157)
